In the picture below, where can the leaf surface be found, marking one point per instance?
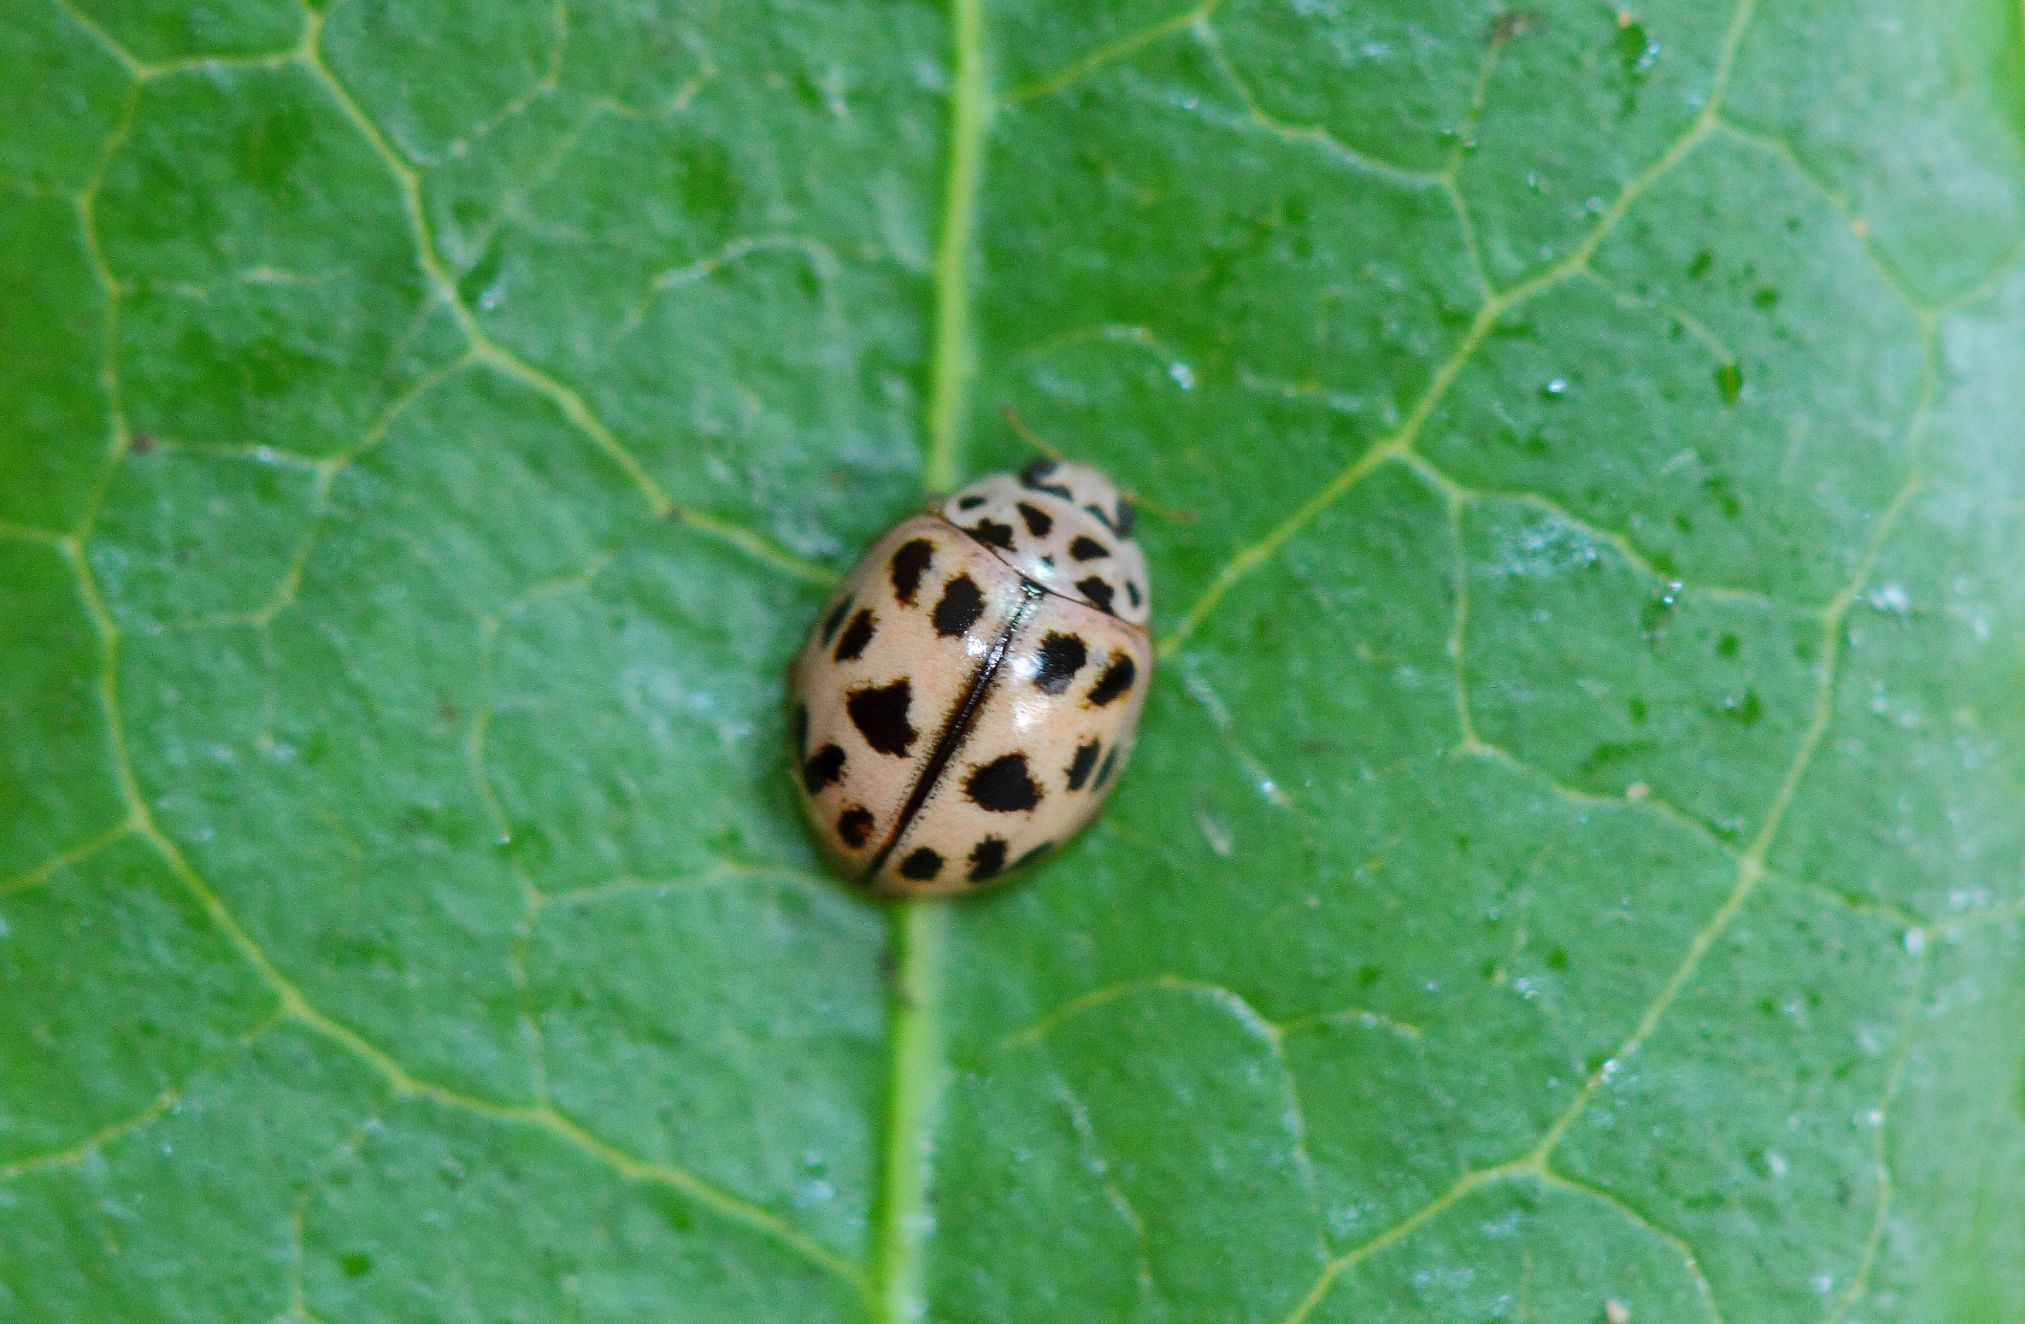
(1574, 867)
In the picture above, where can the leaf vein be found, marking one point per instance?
(1751, 866)
(1874, 1235)
(1108, 53)
(484, 349)
(157, 1108)
(296, 1006)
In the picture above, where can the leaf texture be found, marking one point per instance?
(1574, 867)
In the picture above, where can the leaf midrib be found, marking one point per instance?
(917, 929)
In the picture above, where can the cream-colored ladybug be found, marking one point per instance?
(967, 701)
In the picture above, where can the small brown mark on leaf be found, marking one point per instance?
(889, 970)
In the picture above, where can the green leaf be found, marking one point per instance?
(1575, 865)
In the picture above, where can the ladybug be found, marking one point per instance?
(967, 700)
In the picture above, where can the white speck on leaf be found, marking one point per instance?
(1214, 832)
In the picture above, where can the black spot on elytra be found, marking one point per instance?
(1097, 590)
(1003, 786)
(962, 603)
(881, 716)
(1132, 592)
(910, 562)
(1104, 773)
(987, 859)
(1126, 518)
(856, 635)
(1062, 656)
(1086, 548)
(1035, 476)
(921, 866)
(1032, 855)
(1038, 521)
(1117, 679)
(854, 826)
(824, 767)
(1102, 516)
(834, 619)
(993, 532)
(1086, 759)
(970, 503)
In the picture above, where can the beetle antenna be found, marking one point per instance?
(1171, 514)
(1041, 444)
(1028, 435)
